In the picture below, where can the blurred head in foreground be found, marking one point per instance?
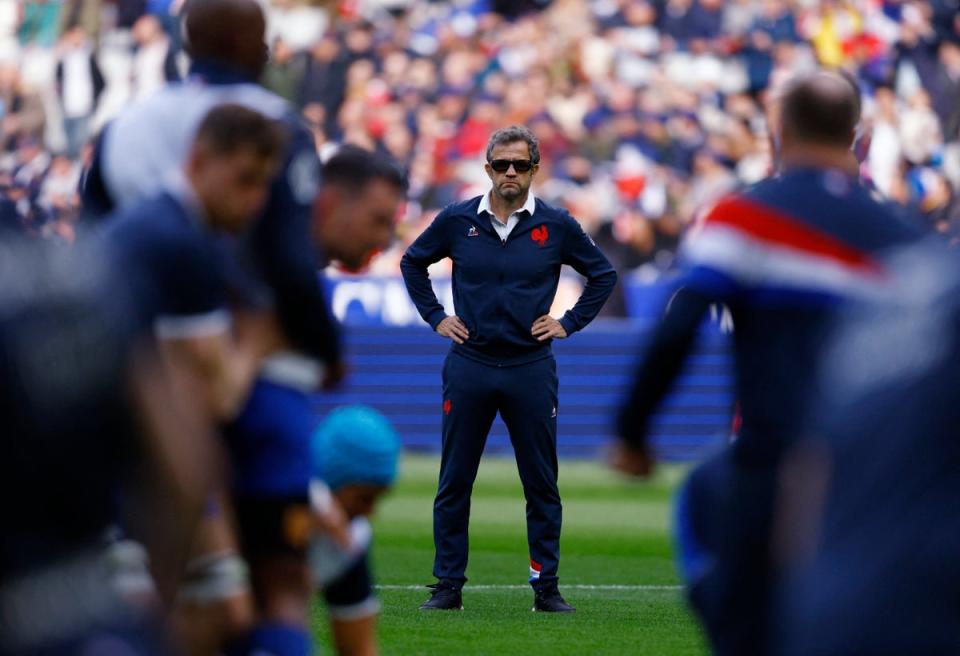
(356, 208)
(816, 120)
(355, 453)
(231, 164)
(227, 33)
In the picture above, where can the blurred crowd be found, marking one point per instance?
(646, 110)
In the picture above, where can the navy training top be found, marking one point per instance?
(160, 250)
(500, 287)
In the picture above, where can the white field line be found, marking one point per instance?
(569, 586)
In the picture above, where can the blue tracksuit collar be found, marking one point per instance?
(212, 72)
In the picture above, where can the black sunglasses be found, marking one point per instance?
(503, 165)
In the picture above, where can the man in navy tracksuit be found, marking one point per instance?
(507, 249)
(784, 256)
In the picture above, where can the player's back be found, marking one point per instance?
(151, 138)
(883, 577)
(784, 255)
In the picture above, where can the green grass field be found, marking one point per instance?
(615, 533)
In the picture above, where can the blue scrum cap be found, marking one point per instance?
(355, 444)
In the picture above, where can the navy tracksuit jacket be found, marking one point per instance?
(500, 287)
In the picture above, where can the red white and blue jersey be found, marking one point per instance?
(783, 255)
(803, 237)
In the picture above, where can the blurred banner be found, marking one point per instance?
(395, 363)
(383, 301)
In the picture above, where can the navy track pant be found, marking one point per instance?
(526, 398)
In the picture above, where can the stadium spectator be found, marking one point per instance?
(24, 116)
(154, 63)
(285, 72)
(79, 86)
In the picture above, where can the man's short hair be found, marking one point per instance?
(230, 128)
(513, 134)
(354, 168)
(822, 108)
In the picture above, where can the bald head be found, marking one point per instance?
(822, 109)
(228, 32)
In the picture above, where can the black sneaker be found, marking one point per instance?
(548, 600)
(443, 597)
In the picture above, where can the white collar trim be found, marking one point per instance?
(528, 206)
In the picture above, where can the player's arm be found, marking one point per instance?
(197, 332)
(431, 246)
(580, 252)
(285, 252)
(667, 350)
(178, 464)
(355, 637)
(708, 279)
(224, 368)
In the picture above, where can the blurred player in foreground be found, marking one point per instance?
(86, 420)
(783, 255)
(137, 152)
(354, 217)
(355, 451)
(869, 525)
(171, 250)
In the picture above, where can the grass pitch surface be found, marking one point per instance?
(616, 567)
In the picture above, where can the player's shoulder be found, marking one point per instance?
(257, 98)
(158, 223)
(549, 210)
(167, 104)
(761, 191)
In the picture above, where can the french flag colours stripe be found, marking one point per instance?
(535, 569)
(758, 246)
